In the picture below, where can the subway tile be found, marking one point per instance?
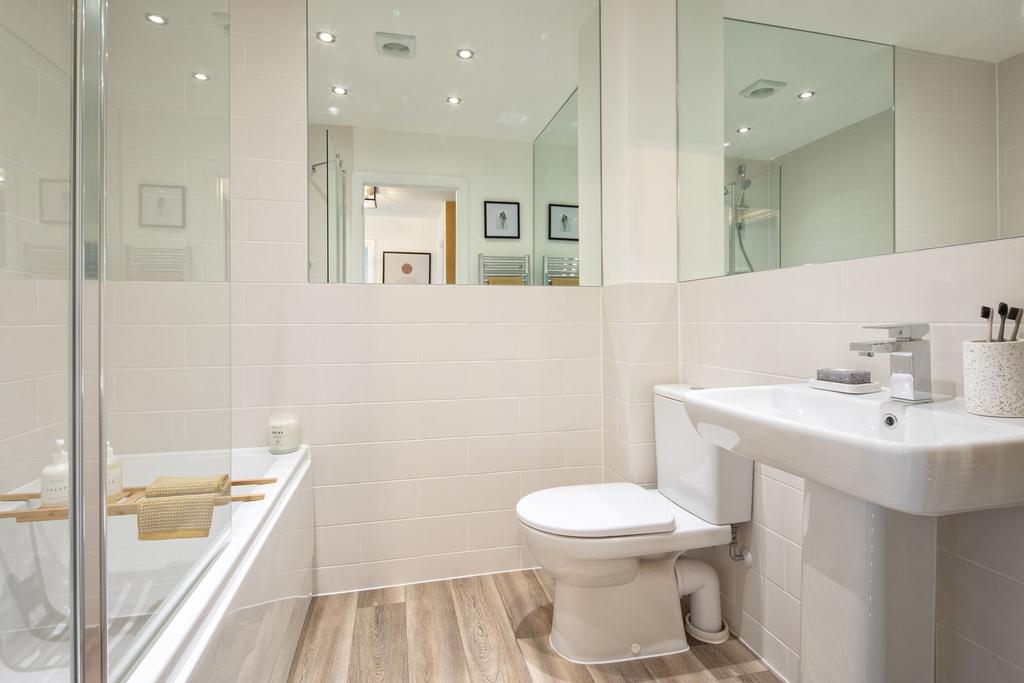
(496, 529)
(472, 493)
(977, 602)
(414, 459)
(516, 452)
(350, 503)
(413, 537)
(341, 464)
(477, 417)
(337, 544)
(559, 413)
(433, 567)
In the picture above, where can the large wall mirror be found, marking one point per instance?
(454, 142)
(821, 136)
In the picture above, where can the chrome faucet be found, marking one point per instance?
(910, 360)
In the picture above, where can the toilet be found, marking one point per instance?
(615, 551)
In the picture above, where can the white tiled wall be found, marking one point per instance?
(165, 128)
(35, 160)
(945, 150)
(1010, 74)
(780, 326)
(837, 196)
(641, 347)
(431, 411)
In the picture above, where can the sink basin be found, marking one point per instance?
(923, 459)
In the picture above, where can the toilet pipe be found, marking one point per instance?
(700, 581)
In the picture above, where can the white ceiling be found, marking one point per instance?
(851, 79)
(989, 30)
(524, 69)
(410, 202)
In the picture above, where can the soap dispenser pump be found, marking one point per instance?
(54, 479)
(115, 476)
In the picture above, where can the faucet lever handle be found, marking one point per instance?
(903, 331)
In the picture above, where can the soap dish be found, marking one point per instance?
(865, 388)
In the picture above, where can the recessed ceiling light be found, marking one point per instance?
(333, 111)
(200, 76)
(464, 53)
(806, 95)
(339, 90)
(743, 130)
(452, 99)
(326, 36)
(726, 144)
(157, 19)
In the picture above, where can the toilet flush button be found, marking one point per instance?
(635, 648)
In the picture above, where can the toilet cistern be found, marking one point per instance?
(910, 359)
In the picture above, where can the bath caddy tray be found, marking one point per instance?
(125, 504)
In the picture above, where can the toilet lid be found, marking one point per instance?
(597, 511)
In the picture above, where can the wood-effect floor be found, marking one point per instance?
(491, 629)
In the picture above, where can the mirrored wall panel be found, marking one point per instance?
(454, 142)
(838, 140)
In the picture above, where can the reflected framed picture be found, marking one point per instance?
(564, 222)
(406, 268)
(162, 206)
(501, 220)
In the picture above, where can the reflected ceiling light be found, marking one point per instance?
(157, 19)
(806, 95)
(200, 76)
(339, 90)
(464, 53)
(3, 176)
(452, 99)
(333, 111)
(743, 130)
(326, 36)
(726, 144)
(369, 196)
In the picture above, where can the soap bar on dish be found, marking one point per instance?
(844, 376)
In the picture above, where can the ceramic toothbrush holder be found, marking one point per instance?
(994, 378)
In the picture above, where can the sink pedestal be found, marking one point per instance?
(868, 594)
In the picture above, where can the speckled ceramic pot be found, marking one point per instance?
(994, 378)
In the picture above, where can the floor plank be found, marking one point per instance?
(491, 649)
(684, 667)
(526, 603)
(488, 629)
(435, 643)
(325, 644)
(729, 659)
(382, 596)
(620, 672)
(379, 647)
(547, 667)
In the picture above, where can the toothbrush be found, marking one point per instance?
(1016, 315)
(1003, 310)
(986, 313)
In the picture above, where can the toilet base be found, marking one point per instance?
(633, 620)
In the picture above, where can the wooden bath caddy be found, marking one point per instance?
(125, 504)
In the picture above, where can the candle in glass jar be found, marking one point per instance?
(285, 434)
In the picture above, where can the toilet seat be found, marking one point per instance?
(687, 531)
(597, 511)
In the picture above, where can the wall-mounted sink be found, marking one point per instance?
(923, 459)
(878, 472)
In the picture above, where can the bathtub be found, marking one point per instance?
(236, 614)
(241, 594)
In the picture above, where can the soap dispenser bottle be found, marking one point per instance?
(115, 476)
(54, 479)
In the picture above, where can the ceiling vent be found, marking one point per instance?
(396, 45)
(762, 88)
